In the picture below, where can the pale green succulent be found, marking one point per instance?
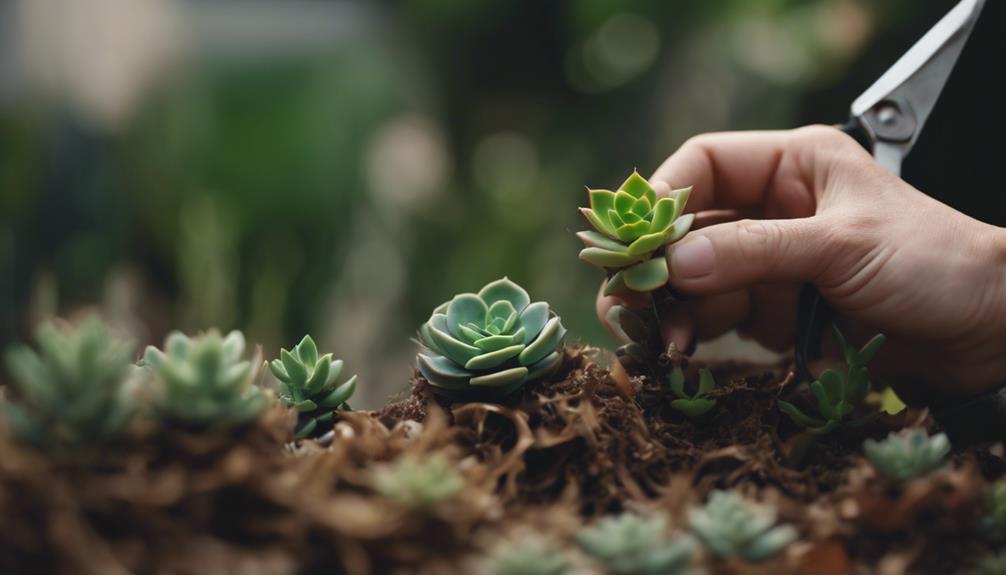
(530, 557)
(632, 545)
(729, 526)
(203, 381)
(419, 483)
(71, 391)
(697, 404)
(907, 454)
(307, 383)
(994, 564)
(490, 342)
(631, 225)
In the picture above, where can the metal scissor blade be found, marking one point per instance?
(894, 109)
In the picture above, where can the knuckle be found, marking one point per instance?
(759, 239)
(694, 143)
(823, 134)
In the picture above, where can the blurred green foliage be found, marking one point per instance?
(303, 168)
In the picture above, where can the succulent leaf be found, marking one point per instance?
(310, 387)
(603, 258)
(644, 245)
(696, 405)
(601, 201)
(604, 226)
(593, 239)
(504, 290)
(706, 382)
(647, 275)
(505, 341)
(637, 186)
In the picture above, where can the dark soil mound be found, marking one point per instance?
(549, 460)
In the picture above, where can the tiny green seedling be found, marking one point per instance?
(307, 383)
(530, 557)
(631, 226)
(71, 391)
(203, 381)
(693, 406)
(839, 392)
(907, 454)
(729, 526)
(491, 342)
(629, 544)
(419, 483)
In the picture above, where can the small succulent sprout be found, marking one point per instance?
(993, 522)
(419, 483)
(490, 342)
(992, 564)
(729, 526)
(631, 225)
(907, 454)
(71, 391)
(629, 544)
(530, 557)
(203, 381)
(697, 405)
(308, 384)
(839, 392)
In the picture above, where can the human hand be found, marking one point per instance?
(886, 256)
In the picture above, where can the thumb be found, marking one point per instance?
(736, 255)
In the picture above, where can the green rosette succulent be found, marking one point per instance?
(729, 526)
(307, 383)
(419, 482)
(530, 557)
(490, 342)
(203, 381)
(631, 225)
(71, 390)
(907, 454)
(628, 544)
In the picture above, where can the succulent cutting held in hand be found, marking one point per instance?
(307, 383)
(490, 342)
(631, 226)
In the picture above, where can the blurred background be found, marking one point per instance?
(340, 168)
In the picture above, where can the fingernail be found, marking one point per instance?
(693, 258)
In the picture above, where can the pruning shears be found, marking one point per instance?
(887, 119)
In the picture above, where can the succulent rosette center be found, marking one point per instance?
(630, 225)
(494, 340)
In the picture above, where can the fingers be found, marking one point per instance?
(735, 255)
(678, 328)
(748, 169)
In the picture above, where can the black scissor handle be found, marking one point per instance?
(814, 313)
